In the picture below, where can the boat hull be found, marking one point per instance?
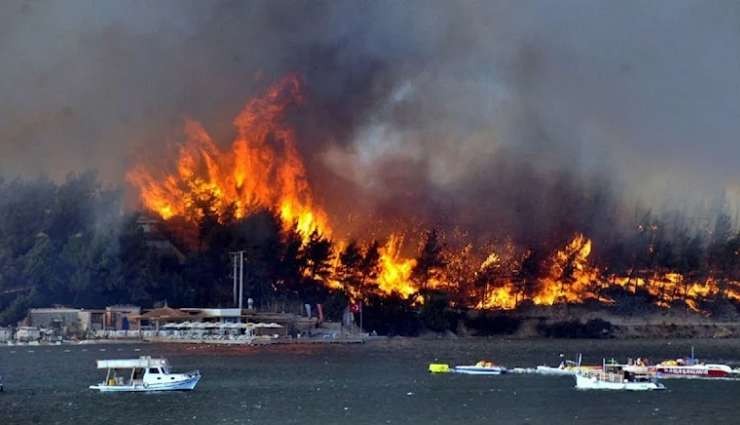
(477, 370)
(187, 384)
(555, 371)
(587, 382)
(694, 371)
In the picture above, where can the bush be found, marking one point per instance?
(595, 328)
(334, 305)
(391, 315)
(435, 314)
(488, 325)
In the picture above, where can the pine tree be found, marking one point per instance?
(430, 261)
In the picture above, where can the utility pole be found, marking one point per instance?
(241, 279)
(235, 278)
(238, 292)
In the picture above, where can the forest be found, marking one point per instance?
(73, 243)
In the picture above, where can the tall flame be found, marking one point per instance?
(262, 169)
(395, 274)
(572, 279)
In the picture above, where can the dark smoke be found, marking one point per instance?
(530, 119)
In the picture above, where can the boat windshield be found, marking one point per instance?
(118, 377)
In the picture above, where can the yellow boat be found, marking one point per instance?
(439, 368)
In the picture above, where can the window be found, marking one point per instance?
(153, 370)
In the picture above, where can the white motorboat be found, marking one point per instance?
(556, 371)
(142, 375)
(565, 368)
(617, 377)
(481, 368)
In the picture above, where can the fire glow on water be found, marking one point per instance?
(263, 169)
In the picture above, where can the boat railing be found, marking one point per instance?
(603, 376)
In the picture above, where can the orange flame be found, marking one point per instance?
(572, 280)
(263, 169)
(395, 275)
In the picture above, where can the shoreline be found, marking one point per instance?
(356, 341)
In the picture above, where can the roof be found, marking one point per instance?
(221, 325)
(131, 363)
(215, 312)
(164, 313)
(123, 308)
(55, 310)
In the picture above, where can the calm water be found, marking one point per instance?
(376, 383)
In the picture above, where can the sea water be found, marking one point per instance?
(381, 382)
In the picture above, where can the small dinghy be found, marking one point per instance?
(143, 375)
(483, 367)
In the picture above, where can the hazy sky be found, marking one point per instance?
(429, 93)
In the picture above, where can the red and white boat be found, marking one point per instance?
(682, 369)
(692, 368)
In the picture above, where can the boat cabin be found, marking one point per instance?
(617, 373)
(144, 370)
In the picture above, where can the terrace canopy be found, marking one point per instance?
(163, 314)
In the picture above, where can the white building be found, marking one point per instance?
(6, 334)
(27, 334)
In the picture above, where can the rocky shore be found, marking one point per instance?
(588, 322)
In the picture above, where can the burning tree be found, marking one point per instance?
(263, 170)
(255, 196)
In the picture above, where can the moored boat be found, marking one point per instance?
(483, 367)
(565, 368)
(680, 369)
(691, 368)
(439, 368)
(143, 375)
(617, 377)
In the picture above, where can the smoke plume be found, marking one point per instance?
(531, 119)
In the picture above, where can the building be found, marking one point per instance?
(6, 334)
(62, 320)
(219, 315)
(92, 320)
(27, 334)
(120, 317)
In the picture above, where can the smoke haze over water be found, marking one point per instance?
(477, 114)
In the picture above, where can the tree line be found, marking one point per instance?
(71, 243)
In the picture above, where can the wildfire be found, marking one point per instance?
(570, 279)
(262, 169)
(395, 275)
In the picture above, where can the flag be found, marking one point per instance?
(356, 307)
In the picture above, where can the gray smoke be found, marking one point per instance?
(499, 116)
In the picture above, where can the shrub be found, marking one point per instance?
(488, 324)
(391, 315)
(595, 328)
